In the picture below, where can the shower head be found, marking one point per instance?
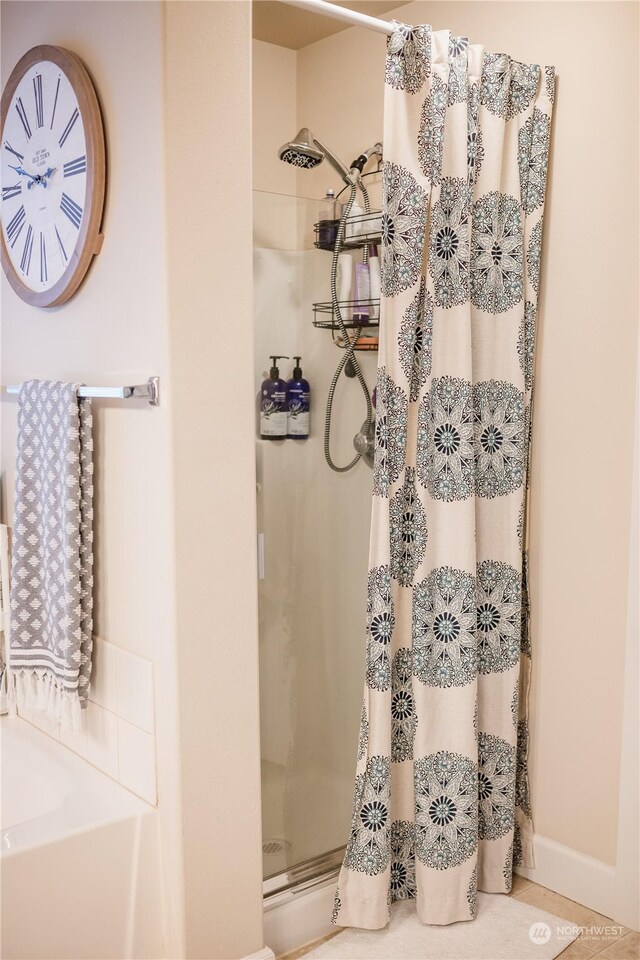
(307, 152)
(301, 152)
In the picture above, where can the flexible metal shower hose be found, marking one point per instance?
(349, 353)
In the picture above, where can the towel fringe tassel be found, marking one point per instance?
(42, 692)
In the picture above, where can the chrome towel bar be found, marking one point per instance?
(141, 391)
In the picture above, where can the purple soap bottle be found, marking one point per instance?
(298, 401)
(273, 404)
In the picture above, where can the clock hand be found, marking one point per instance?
(23, 173)
(42, 178)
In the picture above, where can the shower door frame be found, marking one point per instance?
(304, 875)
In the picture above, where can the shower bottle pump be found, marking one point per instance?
(299, 401)
(273, 404)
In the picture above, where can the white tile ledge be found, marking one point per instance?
(264, 954)
(117, 733)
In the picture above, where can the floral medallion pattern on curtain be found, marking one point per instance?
(442, 806)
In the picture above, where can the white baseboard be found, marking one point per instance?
(264, 954)
(578, 877)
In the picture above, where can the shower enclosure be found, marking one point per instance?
(313, 523)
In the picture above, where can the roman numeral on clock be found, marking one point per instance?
(15, 225)
(61, 246)
(43, 259)
(75, 166)
(18, 156)
(13, 191)
(55, 104)
(71, 209)
(22, 113)
(69, 127)
(37, 93)
(25, 263)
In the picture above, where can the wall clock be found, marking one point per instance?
(53, 175)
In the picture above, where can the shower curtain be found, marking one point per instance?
(441, 805)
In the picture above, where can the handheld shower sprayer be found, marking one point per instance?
(307, 151)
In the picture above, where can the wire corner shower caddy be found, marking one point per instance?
(360, 232)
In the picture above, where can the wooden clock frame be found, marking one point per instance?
(90, 238)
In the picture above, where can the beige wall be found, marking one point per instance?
(273, 115)
(585, 366)
(208, 123)
(174, 82)
(114, 331)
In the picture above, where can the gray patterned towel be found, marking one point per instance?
(52, 556)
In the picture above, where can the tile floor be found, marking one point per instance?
(624, 944)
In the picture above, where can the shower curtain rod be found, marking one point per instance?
(342, 13)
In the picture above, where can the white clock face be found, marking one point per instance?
(44, 176)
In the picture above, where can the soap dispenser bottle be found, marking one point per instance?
(273, 404)
(299, 403)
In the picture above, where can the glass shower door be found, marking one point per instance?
(313, 527)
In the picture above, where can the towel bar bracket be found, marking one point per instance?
(145, 391)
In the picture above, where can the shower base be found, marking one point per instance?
(298, 903)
